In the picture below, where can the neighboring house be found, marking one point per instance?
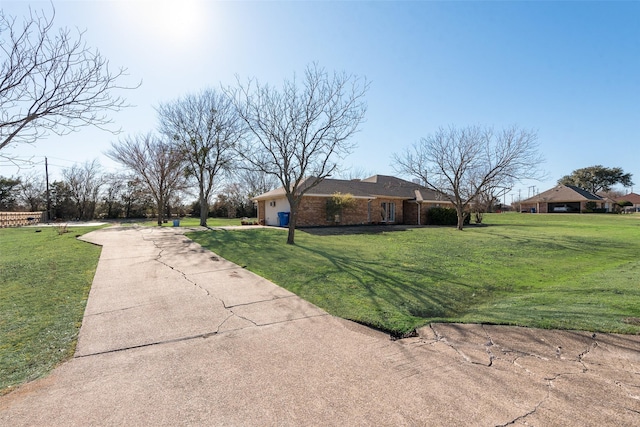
(632, 198)
(563, 199)
(379, 199)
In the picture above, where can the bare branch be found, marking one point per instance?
(155, 162)
(84, 183)
(300, 132)
(51, 81)
(206, 129)
(464, 162)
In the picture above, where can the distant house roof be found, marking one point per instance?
(631, 197)
(372, 187)
(564, 193)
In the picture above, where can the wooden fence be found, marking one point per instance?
(18, 219)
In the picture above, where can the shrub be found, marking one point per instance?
(338, 203)
(445, 216)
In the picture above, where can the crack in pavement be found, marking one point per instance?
(585, 353)
(184, 275)
(537, 406)
(550, 380)
(197, 285)
(244, 304)
(494, 350)
(488, 345)
(522, 417)
(229, 308)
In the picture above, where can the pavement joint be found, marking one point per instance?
(151, 344)
(123, 309)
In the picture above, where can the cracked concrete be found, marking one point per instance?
(198, 294)
(175, 335)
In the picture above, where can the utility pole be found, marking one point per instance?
(46, 174)
(519, 201)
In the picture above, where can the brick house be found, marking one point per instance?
(563, 199)
(632, 198)
(379, 199)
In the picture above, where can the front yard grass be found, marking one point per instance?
(195, 222)
(45, 279)
(549, 271)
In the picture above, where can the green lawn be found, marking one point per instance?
(44, 283)
(549, 271)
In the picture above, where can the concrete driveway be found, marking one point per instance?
(175, 335)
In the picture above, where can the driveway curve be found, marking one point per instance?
(175, 335)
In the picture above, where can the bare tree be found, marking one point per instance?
(136, 199)
(232, 201)
(155, 162)
(462, 163)
(115, 184)
(51, 81)
(33, 192)
(354, 173)
(484, 202)
(206, 129)
(84, 183)
(300, 132)
(254, 182)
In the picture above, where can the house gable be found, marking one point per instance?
(562, 198)
(563, 193)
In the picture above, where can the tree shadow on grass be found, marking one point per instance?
(355, 229)
(391, 301)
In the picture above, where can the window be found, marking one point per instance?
(388, 212)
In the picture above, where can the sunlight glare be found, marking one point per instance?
(173, 22)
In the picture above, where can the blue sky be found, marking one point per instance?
(568, 70)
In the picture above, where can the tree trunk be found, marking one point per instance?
(292, 224)
(204, 211)
(292, 230)
(160, 210)
(460, 212)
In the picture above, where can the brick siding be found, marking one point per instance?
(313, 212)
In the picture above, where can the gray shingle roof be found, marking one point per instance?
(563, 193)
(374, 186)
